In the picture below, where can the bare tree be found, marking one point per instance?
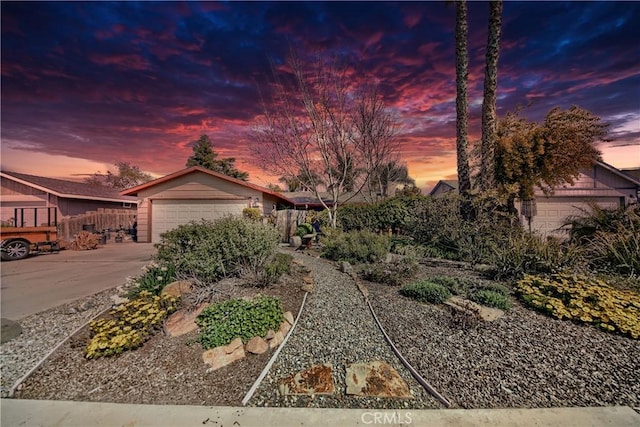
(326, 132)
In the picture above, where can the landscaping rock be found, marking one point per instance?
(288, 316)
(277, 339)
(487, 314)
(257, 345)
(308, 279)
(345, 267)
(284, 328)
(221, 356)
(182, 322)
(375, 379)
(177, 288)
(270, 334)
(317, 379)
(117, 300)
(307, 287)
(234, 345)
(295, 241)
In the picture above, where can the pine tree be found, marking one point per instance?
(205, 156)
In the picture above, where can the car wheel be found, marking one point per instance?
(14, 250)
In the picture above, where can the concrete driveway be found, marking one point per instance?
(45, 281)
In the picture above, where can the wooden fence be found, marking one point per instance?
(288, 220)
(100, 220)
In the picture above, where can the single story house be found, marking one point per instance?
(19, 190)
(193, 194)
(602, 183)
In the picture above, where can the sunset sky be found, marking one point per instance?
(87, 84)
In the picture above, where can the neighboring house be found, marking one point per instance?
(71, 198)
(444, 186)
(307, 200)
(193, 194)
(602, 183)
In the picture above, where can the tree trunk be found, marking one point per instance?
(489, 116)
(462, 105)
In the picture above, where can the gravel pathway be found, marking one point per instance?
(335, 327)
(41, 333)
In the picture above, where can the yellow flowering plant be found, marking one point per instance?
(129, 325)
(583, 300)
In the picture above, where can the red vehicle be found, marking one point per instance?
(26, 236)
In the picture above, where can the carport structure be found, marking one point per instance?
(194, 194)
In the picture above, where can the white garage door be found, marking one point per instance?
(169, 214)
(552, 213)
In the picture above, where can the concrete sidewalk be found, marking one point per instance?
(17, 412)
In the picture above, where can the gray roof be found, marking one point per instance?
(69, 189)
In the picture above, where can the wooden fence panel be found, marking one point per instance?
(101, 219)
(288, 220)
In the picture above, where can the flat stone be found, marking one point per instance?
(317, 379)
(270, 334)
(376, 379)
(276, 340)
(487, 314)
(308, 279)
(307, 287)
(288, 316)
(182, 321)
(257, 345)
(10, 330)
(177, 288)
(218, 357)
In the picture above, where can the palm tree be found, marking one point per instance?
(462, 105)
(489, 116)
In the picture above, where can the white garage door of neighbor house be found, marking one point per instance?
(552, 214)
(169, 214)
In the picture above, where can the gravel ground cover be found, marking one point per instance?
(336, 327)
(164, 370)
(524, 359)
(41, 333)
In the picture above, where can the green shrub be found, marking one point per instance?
(525, 253)
(274, 269)
(391, 273)
(583, 300)
(253, 214)
(304, 229)
(426, 291)
(491, 298)
(211, 250)
(355, 246)
(223, 322)
(153, 280)
(455, 285)
(131, 324)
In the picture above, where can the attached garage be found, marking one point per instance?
(552, 212)
(169, 214)
(194, 194)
